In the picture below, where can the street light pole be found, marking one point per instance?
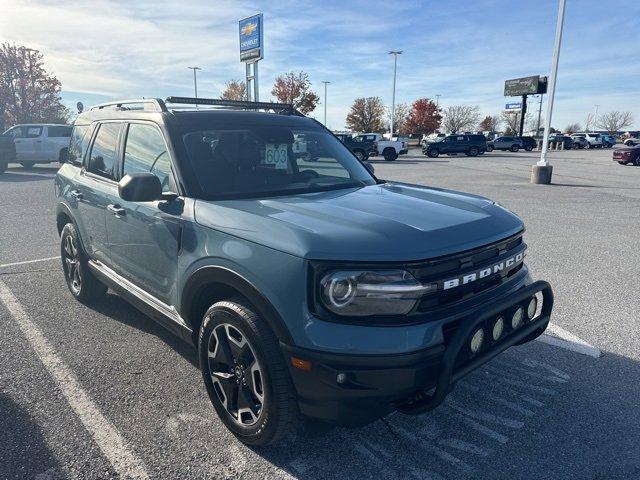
(395, 54)
(195, 81)
(541, 172)
(325, 101)
(438, 100)
(595, 118)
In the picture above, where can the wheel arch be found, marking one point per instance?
(210, 284)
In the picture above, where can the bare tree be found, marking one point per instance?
(400, 118)
(615, 121)
(572, 128)
(588, 122)
(366, 115)
(234, 90)
(457, 118)
(294, 88)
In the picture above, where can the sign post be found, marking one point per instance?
(251, 51)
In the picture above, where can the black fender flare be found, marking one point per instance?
(222, 275)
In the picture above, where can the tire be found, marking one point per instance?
(473, 152)
(27, 164)
(636, 162)
(260, 374)
(515, 148)
(389, 154)
(62, 156)
(528, 148)
(629, 143)
(433, 152)
(489, 148)
(622, 163)
(82, 284)
(360, 155)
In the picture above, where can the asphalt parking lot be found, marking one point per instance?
(563, 407)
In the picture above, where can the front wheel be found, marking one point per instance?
(82, 284)
(514, 148)
(245, 374)
(389, 154)
(473, 152)
(433, 152)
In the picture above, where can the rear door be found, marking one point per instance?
(25, 138)
(144, 236)
(96, 185)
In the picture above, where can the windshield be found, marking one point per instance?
(261, 160)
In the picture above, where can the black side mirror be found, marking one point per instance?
(370, 167)
(140, 187)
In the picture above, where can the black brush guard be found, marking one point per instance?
(449, 374)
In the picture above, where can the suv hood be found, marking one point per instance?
(387, 222)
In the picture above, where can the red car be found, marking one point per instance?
(626, 155)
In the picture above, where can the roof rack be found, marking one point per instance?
(283, 108)
(156, 104)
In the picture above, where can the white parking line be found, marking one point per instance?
(111, 443)
(567, 340)
(26, 262)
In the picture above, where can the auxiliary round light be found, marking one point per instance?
(516, 319)
(498, 329)
(532, 307)
(476, 341)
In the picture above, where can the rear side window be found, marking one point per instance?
(33, 132)
(59, 131)
(80, 137)
(103, 151)
(146, 151)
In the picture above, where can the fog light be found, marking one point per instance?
(341, 378)
(532, 307)
(517, 318)
(498, 328)
(476, 341)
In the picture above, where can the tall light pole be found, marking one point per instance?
(539, 114)
(595, 118)
(395, 54)
(541, 172)
(325, 101)
(195, 81)
(438, 100)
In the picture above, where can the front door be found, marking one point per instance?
(144, 236)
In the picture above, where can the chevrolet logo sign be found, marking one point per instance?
(505, 265)
(249, 28)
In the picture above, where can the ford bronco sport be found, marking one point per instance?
(310, 288)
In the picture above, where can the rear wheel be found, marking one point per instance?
(515, 148)
(360, 155)
(245, 374)
(82, 284)
(389, 154)
(473, 152)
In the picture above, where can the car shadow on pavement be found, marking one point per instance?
(118, 309)
(534, 412)
(23, 449)
(20, 174)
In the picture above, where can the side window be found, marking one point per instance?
(80, 137)
(59, 131)
(15, 132)
(146, 151)
(103, 151)
(33, 132)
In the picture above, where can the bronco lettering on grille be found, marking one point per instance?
(506, 265)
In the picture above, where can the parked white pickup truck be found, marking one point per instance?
(389, 149)
(40, 143)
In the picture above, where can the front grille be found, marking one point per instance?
(439, 270)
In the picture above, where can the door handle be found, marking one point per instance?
(77, 194)
(117, 210)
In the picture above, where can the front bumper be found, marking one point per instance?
(373, 385)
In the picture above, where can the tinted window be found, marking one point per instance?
(103, 151)
(78, 145)
(262, 160)
(146, 151)
(61, 131)
(15, 132)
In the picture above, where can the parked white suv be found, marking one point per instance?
(389, 149)
(40, 143)
(593, 139)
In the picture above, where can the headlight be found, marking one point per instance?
(362, 293)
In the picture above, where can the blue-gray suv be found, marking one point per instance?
(310, 287)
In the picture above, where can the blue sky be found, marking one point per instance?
(464, 50)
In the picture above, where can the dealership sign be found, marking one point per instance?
(525, 86)
(251, 38)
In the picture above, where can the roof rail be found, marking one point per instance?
(157, 103)
(286, 108)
